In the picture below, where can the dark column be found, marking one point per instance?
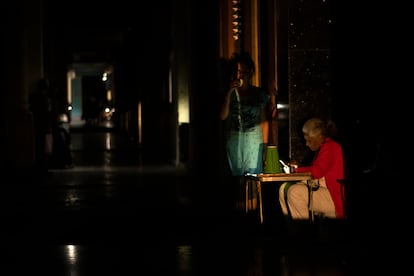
(310, 67)
(22, 65)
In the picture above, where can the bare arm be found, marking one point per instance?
(264, 124)
(225, 107)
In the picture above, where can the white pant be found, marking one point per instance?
(298, 200)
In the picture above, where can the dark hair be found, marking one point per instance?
(243, 58)
(331, 129)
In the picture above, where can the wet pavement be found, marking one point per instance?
(112, 214)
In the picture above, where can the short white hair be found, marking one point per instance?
(314, 127)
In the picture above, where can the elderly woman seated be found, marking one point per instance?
(328, 171)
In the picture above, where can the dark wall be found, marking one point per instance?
(204, 88)
(310, 65)
(337, 71)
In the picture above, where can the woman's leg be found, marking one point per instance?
(294, 198)
(322, 203)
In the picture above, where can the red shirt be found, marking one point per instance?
(328, 163)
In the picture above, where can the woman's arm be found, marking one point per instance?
(225, 107)
(264, 124)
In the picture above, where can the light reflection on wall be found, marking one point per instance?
(71, 74)
(183, 110)
(139, 111)
(108, 141)
(183, 95)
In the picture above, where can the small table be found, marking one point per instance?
(274, 177)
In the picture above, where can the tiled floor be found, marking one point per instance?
(112, 215)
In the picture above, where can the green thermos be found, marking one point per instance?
(272, 164)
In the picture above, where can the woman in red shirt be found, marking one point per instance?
(327, 168)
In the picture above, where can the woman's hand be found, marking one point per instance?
(237, 83)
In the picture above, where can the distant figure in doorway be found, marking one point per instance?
(62, 145)
(244, 110)
(327, 168)
(41, 108)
